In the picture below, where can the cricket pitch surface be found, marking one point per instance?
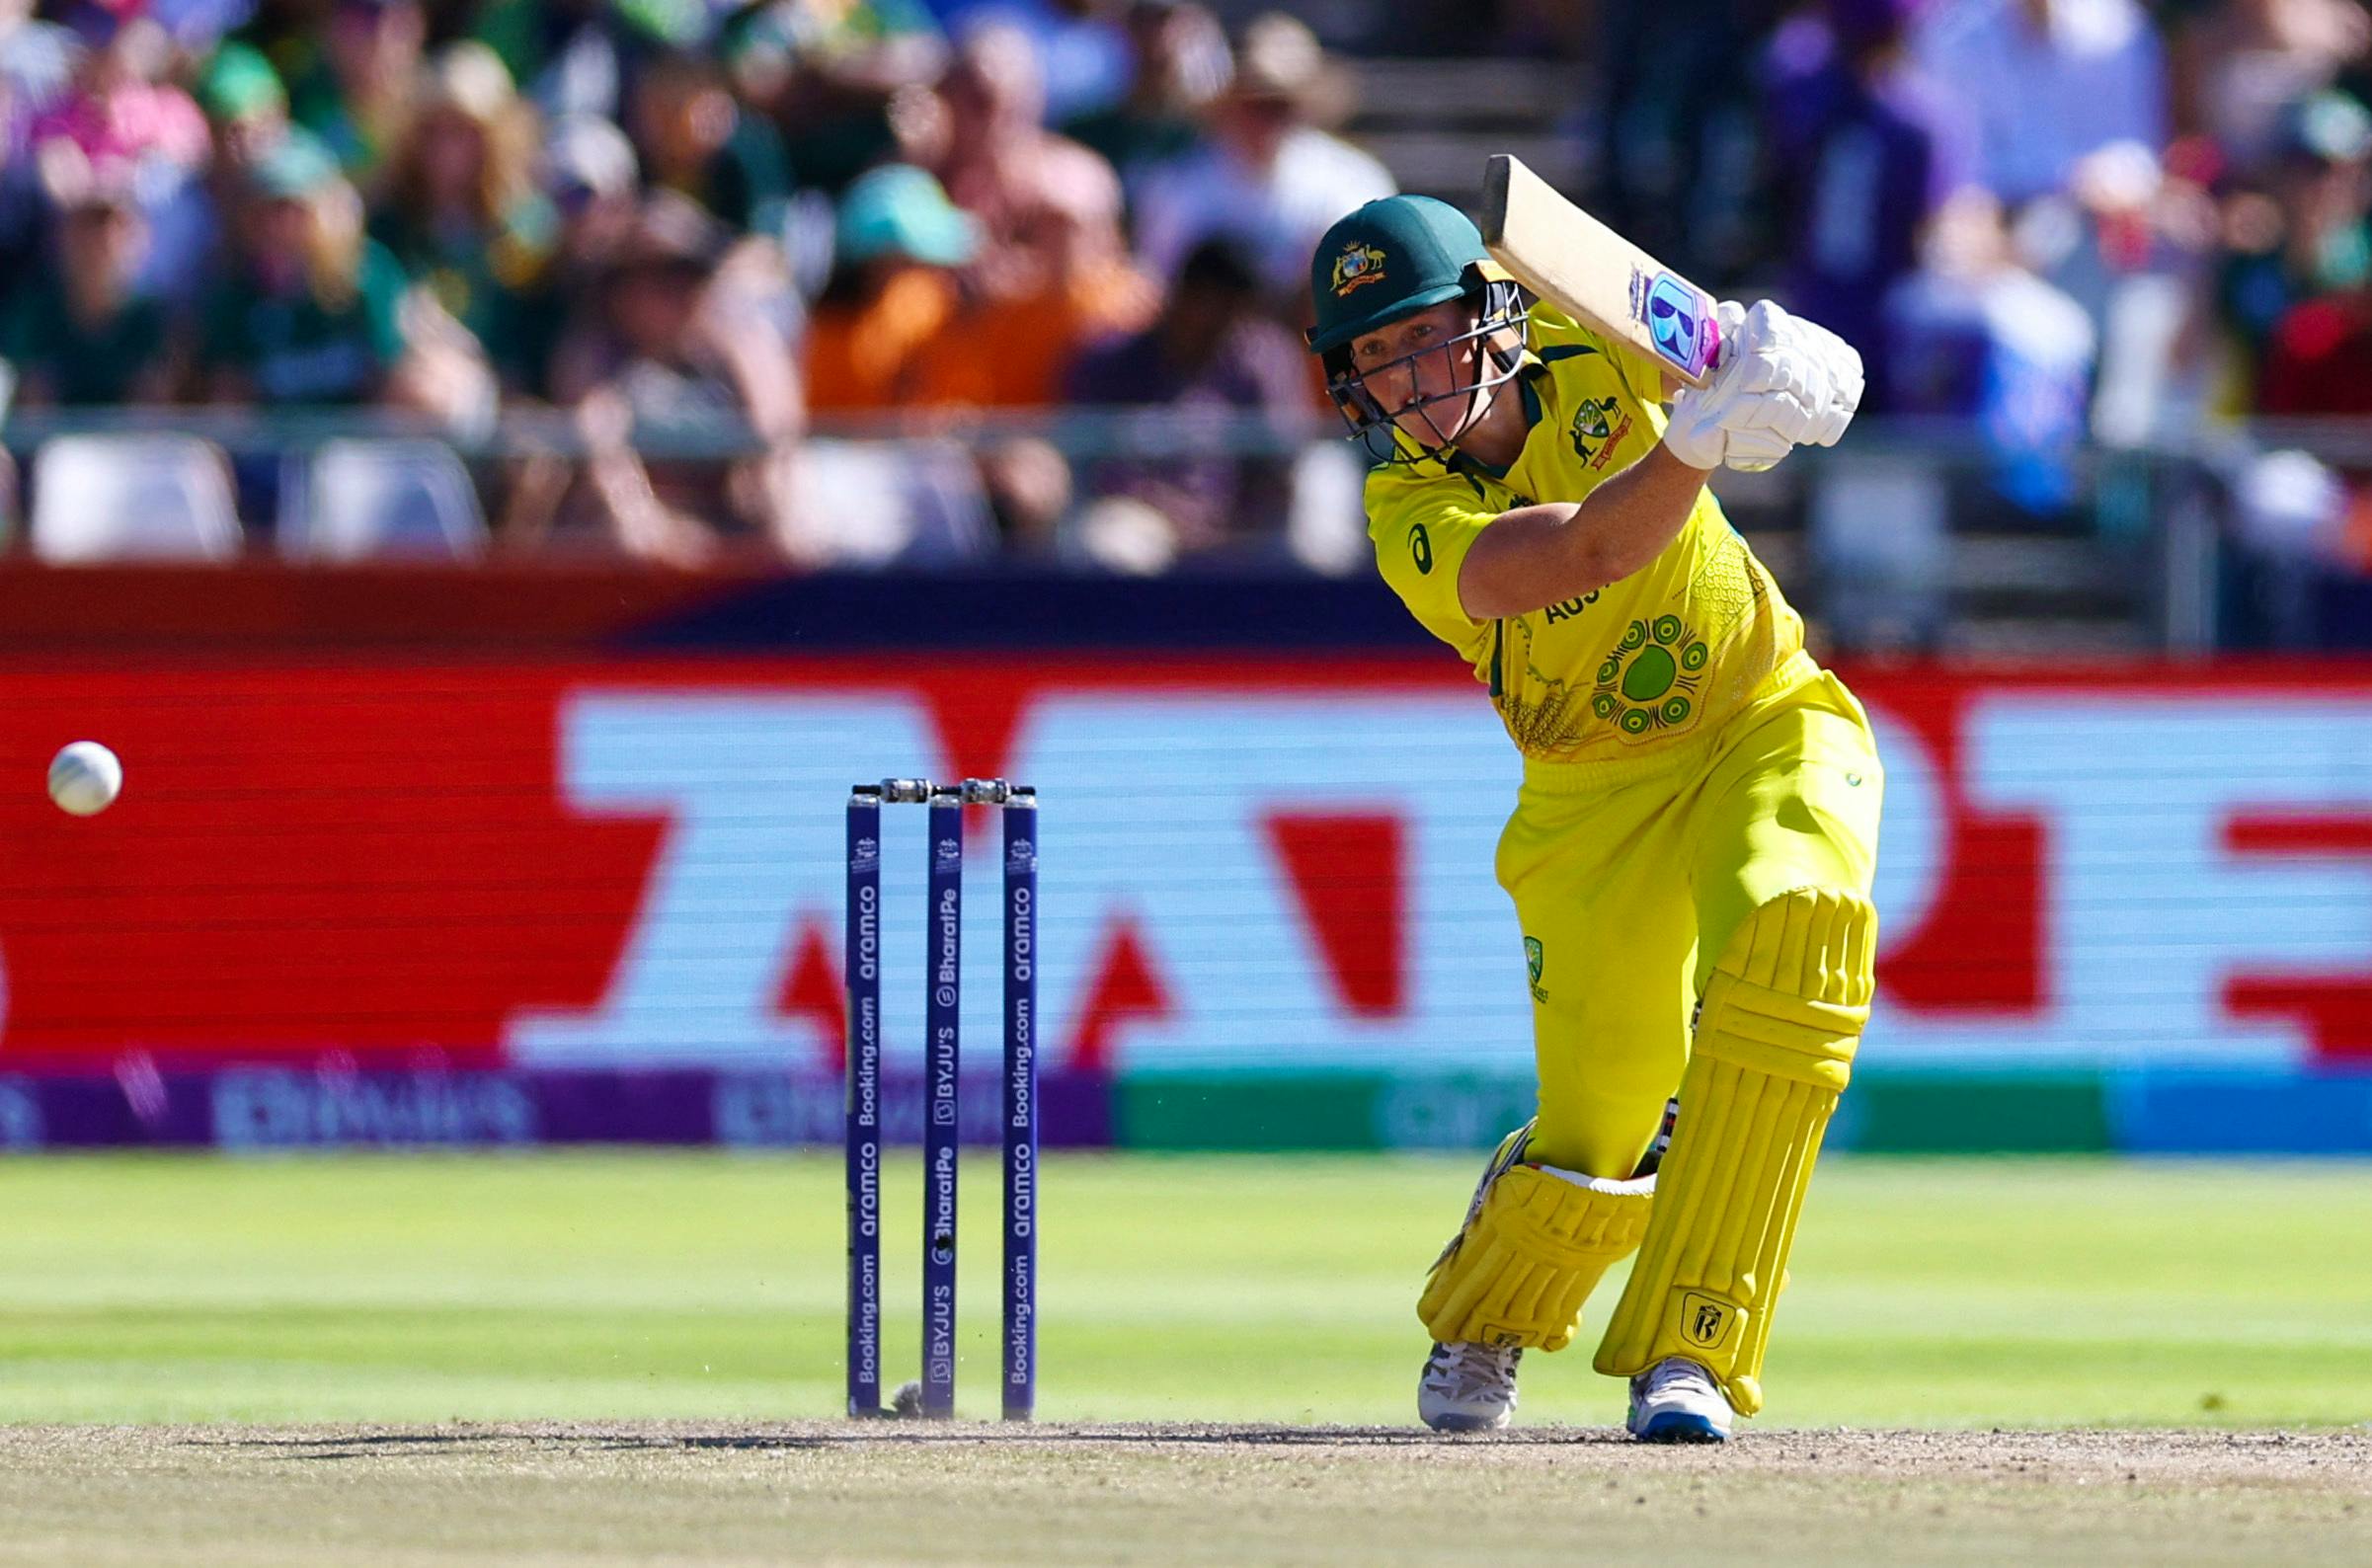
(718, 1492)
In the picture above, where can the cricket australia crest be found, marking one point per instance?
(1599, 427)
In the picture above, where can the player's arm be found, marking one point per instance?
(1536, 556)
(1783, 382)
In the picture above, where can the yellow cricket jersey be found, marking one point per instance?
(1674, 645)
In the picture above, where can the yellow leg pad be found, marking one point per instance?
(1775, 1046)
(1530, 1256)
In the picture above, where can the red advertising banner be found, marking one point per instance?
(618, 864)
(2141, 867)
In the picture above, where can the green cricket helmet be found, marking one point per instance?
(1390, 259)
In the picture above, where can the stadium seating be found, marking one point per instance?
(116, 498)
(365, 499)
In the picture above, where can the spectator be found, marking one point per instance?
(37, 69)
(23, 215)
(1271, 178)
(2069, 99)
(2239, 64)
(461, 212)
(827, 72)
(1082, 47)
(2303, 531)
(1025, 481)
(664, 352)
(78, 334)
(2296, 533)
(893, 297)
(1050, 272)
(568, 56)
(1981, 339)
(1022, 340)
(1182, 65)
(119, 107)
(586, 176)
(247, 114)
(2314, 366)
(356, 93)
(694, 138)
(312, 311)
(1213, 355)
(2303, 234)
(245, 106)
(122, 110)
(1668, 132)
(2315, 363)
(1000, 165)
(196, 26)
(1876, 149)
(2052, 84)
(587, 173)
(590, 174)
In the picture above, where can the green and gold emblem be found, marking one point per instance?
(1593, 423)
(1599, 426)
(1650, 680)
(1358, 265)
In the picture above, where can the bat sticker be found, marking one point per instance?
(1676, 316)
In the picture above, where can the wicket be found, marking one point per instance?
(942, 1060)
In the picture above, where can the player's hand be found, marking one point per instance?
(1703, 426)
(1782, 382)
(1796, 378)
(1753, 452)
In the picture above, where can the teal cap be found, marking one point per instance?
(900, 209)
(1392, 257)
(237, 82)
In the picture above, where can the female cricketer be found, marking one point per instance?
(1693, 842)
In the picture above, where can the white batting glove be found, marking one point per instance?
(1751, 451)
(1782, 382)
(1697, 431)
(1796, 378)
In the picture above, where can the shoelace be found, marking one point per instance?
(1463, 1370)
(1665, 1374)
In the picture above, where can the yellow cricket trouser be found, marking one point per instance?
(1630, 875)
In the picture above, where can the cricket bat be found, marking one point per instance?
(1601, 280)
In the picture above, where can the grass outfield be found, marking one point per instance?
(596, 1287)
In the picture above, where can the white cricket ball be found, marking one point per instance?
(84, 778)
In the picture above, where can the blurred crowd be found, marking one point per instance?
(2051, 222)
(2054, 228)
(650, 213)
(2068, 220)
